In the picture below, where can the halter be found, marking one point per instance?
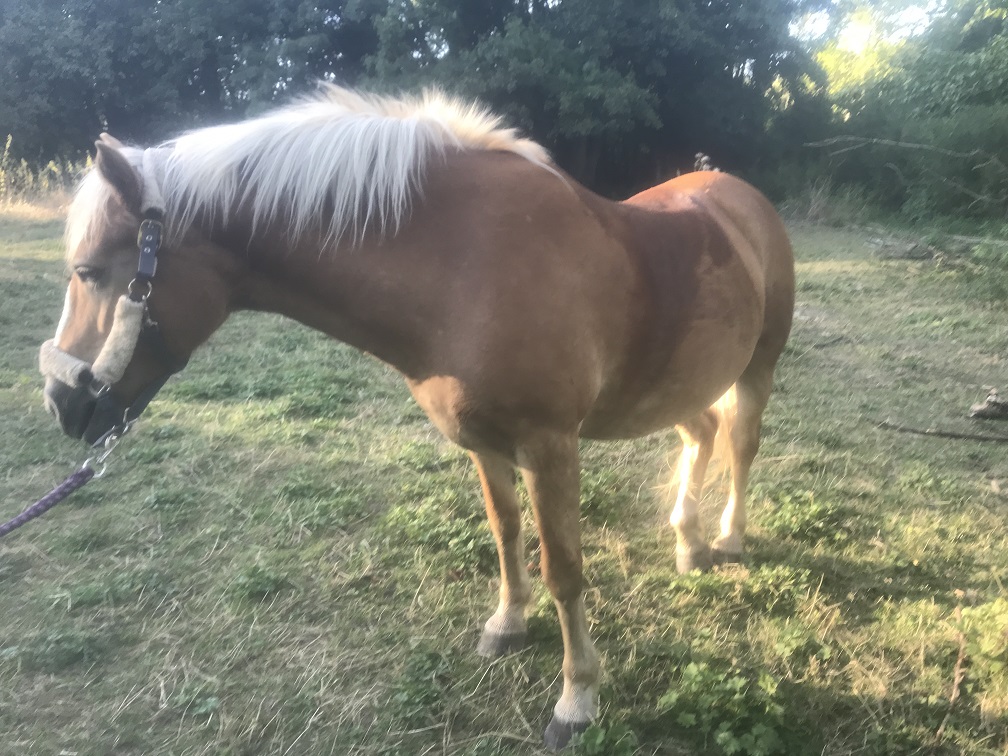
(132, 325)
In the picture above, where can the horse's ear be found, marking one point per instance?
(110, 140)
(115, 168)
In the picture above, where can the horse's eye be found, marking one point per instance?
(89, 274)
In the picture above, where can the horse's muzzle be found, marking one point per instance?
(79, 412)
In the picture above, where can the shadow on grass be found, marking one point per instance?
(859, 584)
(716, 707)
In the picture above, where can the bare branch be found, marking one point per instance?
(889, 425)
(856, 142)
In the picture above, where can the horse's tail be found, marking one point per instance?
(726, 410)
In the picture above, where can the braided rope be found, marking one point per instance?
(50, 500)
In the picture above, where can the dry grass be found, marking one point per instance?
(240, 581)
(37, 188)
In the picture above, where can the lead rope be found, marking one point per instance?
(76, 480)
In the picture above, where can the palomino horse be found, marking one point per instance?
(523, 310)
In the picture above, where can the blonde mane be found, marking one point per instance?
(355, 159)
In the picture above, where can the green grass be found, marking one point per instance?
(285, 558)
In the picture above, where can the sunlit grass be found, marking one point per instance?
(285, 557)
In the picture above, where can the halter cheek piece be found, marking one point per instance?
(132, 325)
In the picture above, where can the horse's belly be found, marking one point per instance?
(655, 412)
(706, 364)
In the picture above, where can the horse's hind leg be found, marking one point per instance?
(506, 628)
(698, 434)
(750, 393)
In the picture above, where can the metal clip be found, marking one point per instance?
(111, 442)
(136, 286)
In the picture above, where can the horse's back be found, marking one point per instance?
(716, 288)
(752, 225)
(555, 306)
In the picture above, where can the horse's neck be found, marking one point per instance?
(358, 294)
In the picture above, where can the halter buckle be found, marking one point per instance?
(148, 243)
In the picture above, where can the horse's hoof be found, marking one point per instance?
(492, 645)
(559, 733)
(725, 557)
(701, 560)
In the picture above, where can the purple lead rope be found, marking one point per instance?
(50, 500)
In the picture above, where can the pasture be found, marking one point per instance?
(286, 558)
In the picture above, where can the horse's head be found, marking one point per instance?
(134, 310)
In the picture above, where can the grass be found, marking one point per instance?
(285, 558)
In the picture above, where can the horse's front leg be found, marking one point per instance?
(506, 629)
(550, 467)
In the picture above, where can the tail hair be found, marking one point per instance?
(726, 409)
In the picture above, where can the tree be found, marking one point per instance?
(926, 116)
(144, 69)
(623, 91)
(48, 73)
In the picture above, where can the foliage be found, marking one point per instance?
(986, 631)
(770, 588)
(145, 68)
(624, 90)
(421, 687)
(605, 494)
(606, 740)
(621, 92)
(54, 650)
(461, 538)
(197, 700)
(258, 582)
(801, 516)
(925, 117)
(740, 715)
(820, 201)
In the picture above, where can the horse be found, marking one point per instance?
(523, 310)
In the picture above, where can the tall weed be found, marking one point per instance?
(20, 181)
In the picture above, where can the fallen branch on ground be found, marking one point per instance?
(889, 425)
